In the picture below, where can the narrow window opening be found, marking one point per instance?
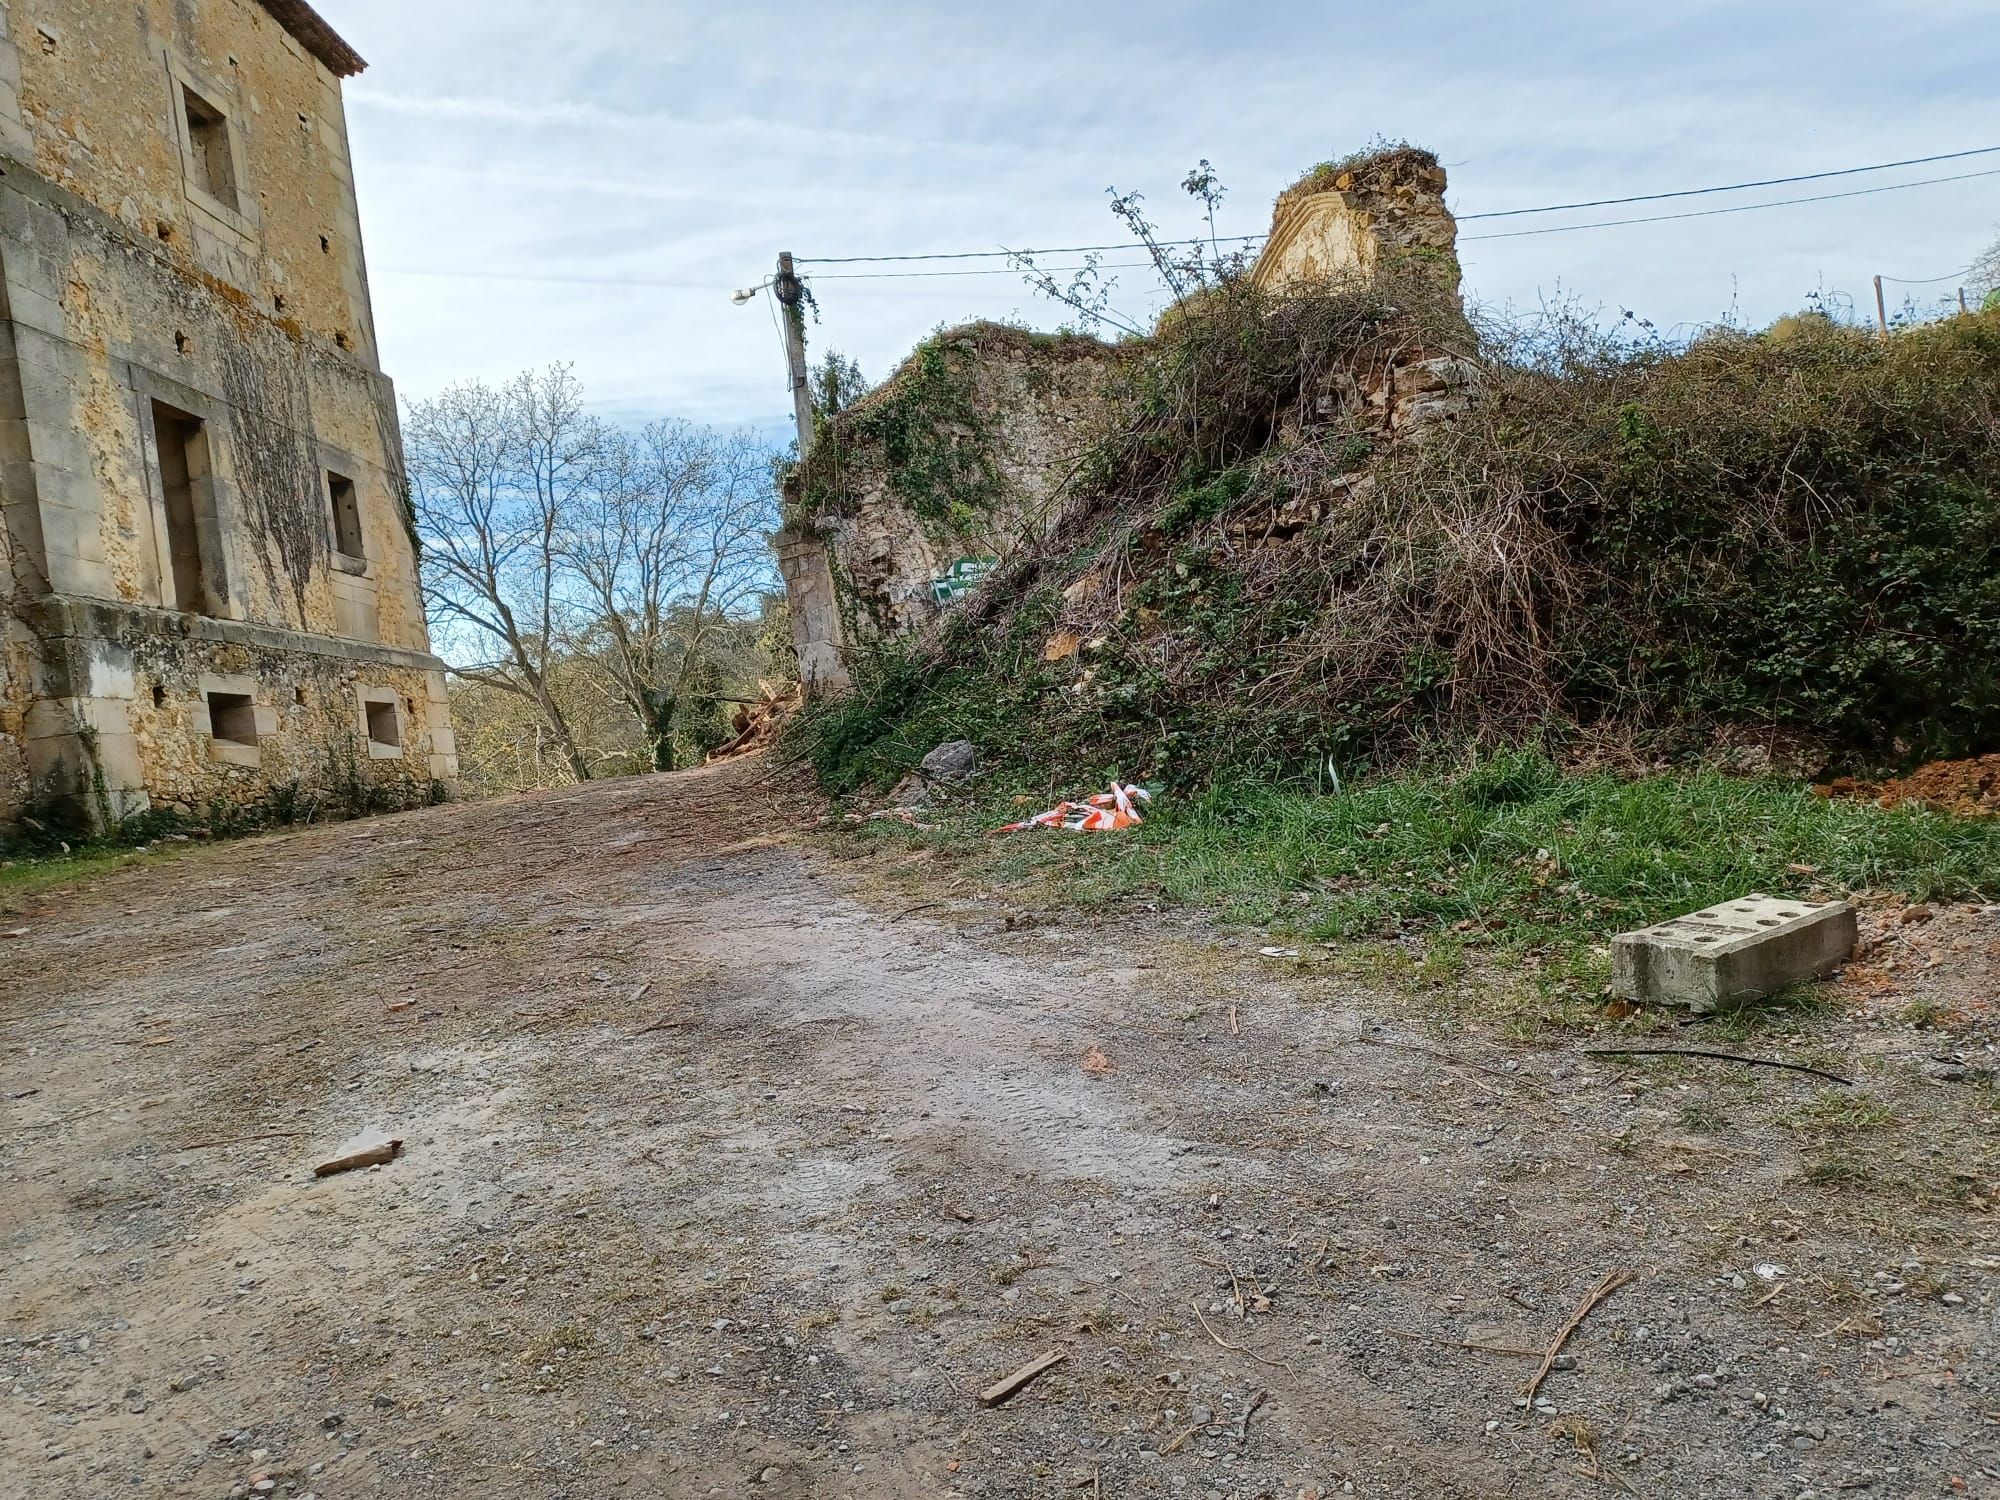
(182, 443)
(325, 245)
(346, 516)
(383, 727)
(159, 695)
(232, 718)
(181, 342)
(164, 230)
(299, 696)
(208, 135)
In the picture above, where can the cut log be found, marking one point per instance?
(1010, 1385)
(374, 1156)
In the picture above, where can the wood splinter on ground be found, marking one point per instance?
(1607, 1284)
(1010, 1385)
(374, 1156)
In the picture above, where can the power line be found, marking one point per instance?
(1012, 270)
(1735, 187)
(1504, 213)
(1699, 213)
(1740, 208)
(853, 260)
(1929, 280)
(1123, 265)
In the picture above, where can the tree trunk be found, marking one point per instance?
(559, 727)
(656, 716)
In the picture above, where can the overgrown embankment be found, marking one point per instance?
(1350, 524)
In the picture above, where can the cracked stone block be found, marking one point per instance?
(1731, 953)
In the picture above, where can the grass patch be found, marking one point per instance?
(22, 879)
(1839, 1112)
(1507, 856)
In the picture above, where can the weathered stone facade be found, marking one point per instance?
(874, 532)
(1343, 220)
(212, 590)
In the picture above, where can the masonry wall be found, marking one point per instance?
(141, 307)
(874, 547)
(871, 533)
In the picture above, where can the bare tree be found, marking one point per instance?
(1185, 267)
(1984, 273)
(665, 548)
(492, 473)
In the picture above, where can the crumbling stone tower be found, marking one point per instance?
(208, 586)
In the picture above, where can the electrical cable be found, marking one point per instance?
(1739, 208)
(1013, 270)
(850, 260)
(1123, 265)
(1503, 213)
(1733, 187)
(1510, 234)
(1929, 280)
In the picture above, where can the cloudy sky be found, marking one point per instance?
(588, 182)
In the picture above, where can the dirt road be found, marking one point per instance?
(725, 1175)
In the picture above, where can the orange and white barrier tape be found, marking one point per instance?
(1103, 813)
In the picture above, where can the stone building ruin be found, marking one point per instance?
(211, 579)
(879, 541)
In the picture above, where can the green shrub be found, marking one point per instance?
(1796, 531)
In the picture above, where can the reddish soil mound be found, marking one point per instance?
(1970, 788)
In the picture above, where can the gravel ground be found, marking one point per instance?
(725, 1172)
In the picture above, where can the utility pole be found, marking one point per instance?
(1962, 308)
(1881, 310)
(791, 298)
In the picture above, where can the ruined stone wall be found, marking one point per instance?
(1343, 218)
(959, 457)
(179, 245)
(947, 467)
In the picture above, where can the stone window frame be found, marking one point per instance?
(364, 695)
(242, 217)
(356, 471)
(232, 752)
(216, 508)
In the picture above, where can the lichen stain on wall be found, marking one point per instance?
(278, 476)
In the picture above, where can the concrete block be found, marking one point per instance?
(1731, 953)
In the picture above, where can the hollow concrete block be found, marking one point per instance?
(1731, 953)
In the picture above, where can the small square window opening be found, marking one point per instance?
(383, 726)
(232, 718)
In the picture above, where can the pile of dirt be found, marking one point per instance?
(1967, 788)
(756, 725)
